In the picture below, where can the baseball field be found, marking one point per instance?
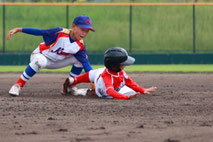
(181, 110)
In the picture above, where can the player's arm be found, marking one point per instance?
(130, 83)
(87, 66)
(32, 31)
(82, 57)
(46, 33)
(110, 89)
(116, 95)
(85, 62)
(13, 31)
(149, 90)
(41, 32)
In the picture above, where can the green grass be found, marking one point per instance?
(118, 1)
(133, 68)
(155, 29)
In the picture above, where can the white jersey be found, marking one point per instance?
(61, 48)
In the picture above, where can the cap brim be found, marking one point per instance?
(87, 27)
(130, 60)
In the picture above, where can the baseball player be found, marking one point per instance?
(61, 48)
(112, 81)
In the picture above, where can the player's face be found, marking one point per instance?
(79, 33)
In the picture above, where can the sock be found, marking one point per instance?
(20, 82)
(26, 75)
(75, 71)
(84, 78)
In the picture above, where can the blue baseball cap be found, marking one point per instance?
(84, 21)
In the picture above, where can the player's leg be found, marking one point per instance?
(88, 77)
(84, 78)
(76, 68)
(38, 61)
(71, 81)
(75, 71)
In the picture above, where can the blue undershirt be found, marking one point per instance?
(32, 31)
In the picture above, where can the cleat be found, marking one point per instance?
(68, 91)
(63, 92)
(15, 90)
(67, 87)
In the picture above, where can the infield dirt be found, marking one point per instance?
(181, 110)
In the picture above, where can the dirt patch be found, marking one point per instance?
(180, 111)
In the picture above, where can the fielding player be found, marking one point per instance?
(112, 81)
(61, 48)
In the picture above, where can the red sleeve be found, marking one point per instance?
(131, 84)
(107, 80)
(110, 89)
(111, 92)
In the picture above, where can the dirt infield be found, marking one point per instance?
(180, 111)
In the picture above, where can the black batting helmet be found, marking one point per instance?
(116, 56)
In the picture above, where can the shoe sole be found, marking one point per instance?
(13, 95)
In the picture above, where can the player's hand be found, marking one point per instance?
(133, 95)
(13, 31)
(151, 89)
(92, 86)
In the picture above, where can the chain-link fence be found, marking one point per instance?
(138, 28)
(111, 1)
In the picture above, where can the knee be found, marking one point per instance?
(39, 61)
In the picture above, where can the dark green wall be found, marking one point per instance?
(173, 58)
(14, 59)
(23, 59)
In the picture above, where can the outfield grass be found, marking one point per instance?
(133, 68)
(155, 29)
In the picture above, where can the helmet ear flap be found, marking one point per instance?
(112, 65)
(107, 63)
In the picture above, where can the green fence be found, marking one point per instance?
(139, 29)
(97, 59)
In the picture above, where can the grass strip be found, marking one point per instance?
(133, 68)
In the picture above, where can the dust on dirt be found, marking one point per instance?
(180, 111)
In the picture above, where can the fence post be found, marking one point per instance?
(194, 30)
(67, 16)
(130, 28)
(3, 26)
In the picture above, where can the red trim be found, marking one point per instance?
(43, 46)
(64, 54)
(80, 44)
(63, 35)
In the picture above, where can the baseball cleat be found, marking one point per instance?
(15, 90)
(63, 92)
(66, 89)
